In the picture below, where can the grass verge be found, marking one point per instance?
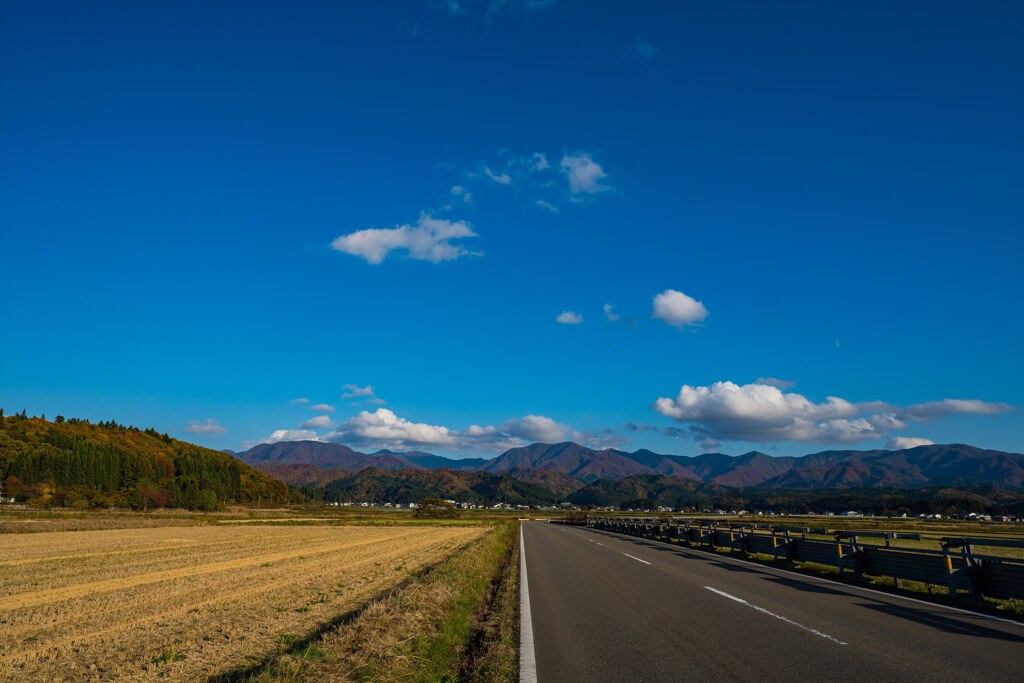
(457, 622)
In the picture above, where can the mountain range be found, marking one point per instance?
(567, 467)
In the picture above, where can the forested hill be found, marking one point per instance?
(75, 463)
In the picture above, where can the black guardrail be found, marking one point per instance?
(957, 567)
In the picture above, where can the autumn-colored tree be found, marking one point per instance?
(40, 495)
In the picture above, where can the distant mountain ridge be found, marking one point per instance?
(564, 465)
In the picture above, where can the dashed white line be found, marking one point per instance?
(636, 558)
(777, 616)
(819, 579)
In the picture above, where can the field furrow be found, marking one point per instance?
(199, 613)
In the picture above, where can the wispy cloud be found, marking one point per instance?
(777, 383)
(569, 318)
(953, 406)
(322, 408)
(462, 192)
(431, 239)
(356, 391)
(299, 400)
(490, 9)
(209, 427)
(533, 178)
(585, 175)
(500, 178)
(610, 314)
(642, 49)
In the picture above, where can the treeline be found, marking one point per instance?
(71, 462)
(412, 485)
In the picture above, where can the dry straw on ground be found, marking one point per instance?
(188, 602)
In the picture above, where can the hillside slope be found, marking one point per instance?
(72, 462)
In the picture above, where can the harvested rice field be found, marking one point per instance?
(188, 603)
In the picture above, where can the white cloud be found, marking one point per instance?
(382, 428)
(540, 161)
(678, 309)
(322, 408)
(536, 428)
(208, 426)
(500, 178)
(898, 443)
(356, 391)
(428, 240)
(710, 444)
(585, 174)
(757, 412)
(569, 318)
(764, 413)
(547, 205)
(777, 383)
(299, 400)
(460, 191)
(280, 435)
(377, 401)
(954, 406)
(610, 314)
(318, 422)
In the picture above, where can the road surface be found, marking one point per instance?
(606, 607)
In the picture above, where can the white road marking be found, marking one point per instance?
(777, 616)
(820, 579)
(527, 655)
(636, 558)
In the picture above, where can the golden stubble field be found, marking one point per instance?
(185, 603)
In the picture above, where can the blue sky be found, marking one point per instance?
(209, 212)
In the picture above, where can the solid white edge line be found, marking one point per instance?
(777, 616)
(636, 558)
(527, 654)
(821, 579)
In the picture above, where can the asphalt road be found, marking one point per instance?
(607, 607)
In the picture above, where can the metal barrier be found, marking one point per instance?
(957, 567)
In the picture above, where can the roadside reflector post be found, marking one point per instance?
(950, 573)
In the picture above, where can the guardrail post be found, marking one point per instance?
(974, 568)
(950, 582)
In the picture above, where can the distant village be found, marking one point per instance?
(562, 507)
